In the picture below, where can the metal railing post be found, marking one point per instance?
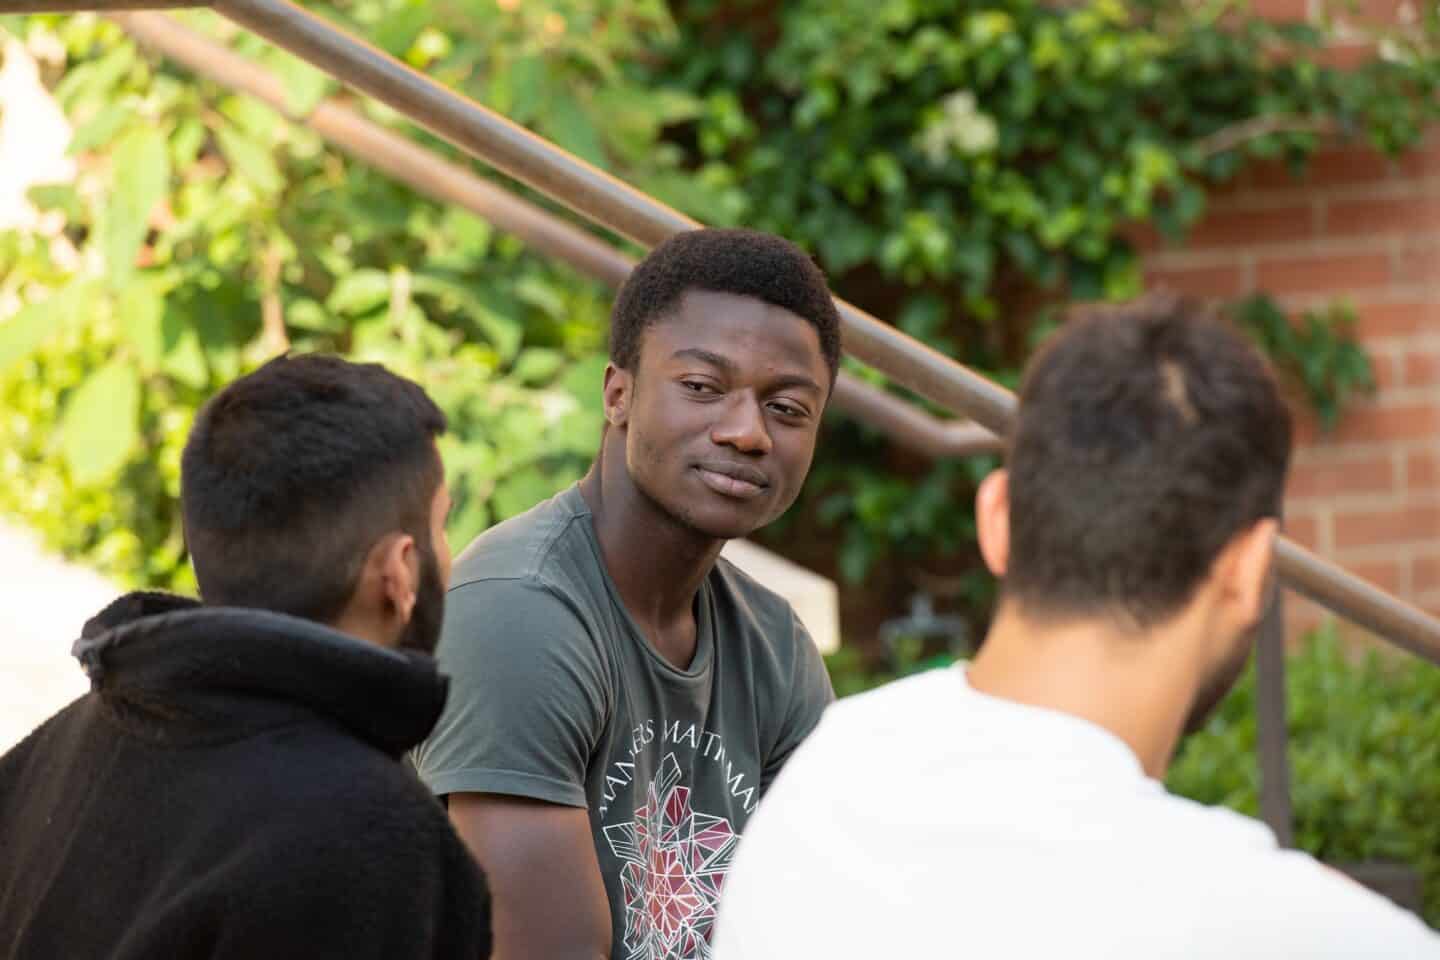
(587, 190)
(1272, 726)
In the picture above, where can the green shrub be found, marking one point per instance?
(203, 233)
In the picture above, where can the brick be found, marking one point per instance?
(1282, 11)
(1388, 575)
(1422, 470)
(1347, 55)
(1144, 237)
(1306, 424)
(1339, 166)
(1425, 573)
(1303, 527)
(1370, 216)
(1323, 273)
(1324, 480)
(1301, 618)
(1421, 160)
(1421, 368)
(1380, 12)
(1418, 261)
(1387, 370)
(1376, 321)
(1384, 423)
(1243, 227)
(1223, 280)
(1396, 525)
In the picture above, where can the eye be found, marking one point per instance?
(788, 409)
(699, 387)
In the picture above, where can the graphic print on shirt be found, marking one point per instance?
(674, 858)
(675, 865)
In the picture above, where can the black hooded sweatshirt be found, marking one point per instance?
(232, 787)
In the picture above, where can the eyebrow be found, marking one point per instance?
(721, 362)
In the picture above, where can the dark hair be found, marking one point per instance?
(1148, 436)
(747, 263)
(292, 473)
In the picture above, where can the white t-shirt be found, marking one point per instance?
(926, 819)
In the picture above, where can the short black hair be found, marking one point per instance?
(747, 263)
(292, 473)
(1148, 436)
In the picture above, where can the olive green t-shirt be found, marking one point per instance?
(556, 695)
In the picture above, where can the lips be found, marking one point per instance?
(730, 479)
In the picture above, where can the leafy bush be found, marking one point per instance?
(203, 234)
(1364, 751)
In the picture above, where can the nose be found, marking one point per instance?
(742, 425)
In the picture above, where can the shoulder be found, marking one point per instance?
(534, 545)
(926, 701)
(765, 615)
(31, 762)
(1306, 908)
(356, 849)
(323, 789)
(1244, 887)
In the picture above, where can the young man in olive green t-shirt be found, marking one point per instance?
(621, 696)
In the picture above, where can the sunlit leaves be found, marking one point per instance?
(141, 179)
(100, 422)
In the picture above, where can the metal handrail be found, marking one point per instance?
(591, 192)
(608, 202)
(435, 177)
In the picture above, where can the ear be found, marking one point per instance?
(992, 521)
(618, 390)
(399, 575)
(1243, 570)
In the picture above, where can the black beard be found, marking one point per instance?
(422, 633)
(1223, 679)
(1218, 685)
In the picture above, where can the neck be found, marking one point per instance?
(364, 629)
(1131, 683)
(656, 563)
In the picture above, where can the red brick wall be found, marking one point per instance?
(1364, 230)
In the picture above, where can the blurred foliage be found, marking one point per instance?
(197, 214)
(1316, 351)
(1364, 745)
(959, 168)
(964, 168)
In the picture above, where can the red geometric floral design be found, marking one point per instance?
(675, 866)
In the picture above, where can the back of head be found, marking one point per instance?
(292, 473)
(1148, 436)
(746, 263)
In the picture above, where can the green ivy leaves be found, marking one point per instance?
(141, 179)
(197, 212)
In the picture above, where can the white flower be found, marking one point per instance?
(960, 126)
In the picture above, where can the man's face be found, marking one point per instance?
(722, 411)
(422, 632)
